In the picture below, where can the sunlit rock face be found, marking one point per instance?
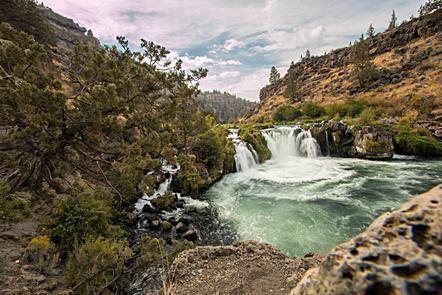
(399, 253)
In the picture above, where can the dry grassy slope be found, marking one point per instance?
(414, 70)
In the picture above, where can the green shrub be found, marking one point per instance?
(351, 108)
(209, 149)
(76, 219)
(153, 250)
(229, 157)
(97, 263)
(412, 144)
(354, 107)
(367, 117)
(13, 206)
(286, 113)
(41, 254)
(165, 201)
(373, 146)
(313, 110)
(255, 138)
(166, 226)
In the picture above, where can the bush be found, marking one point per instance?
(367, 117)
(41, 254)
(412, 144)
(313, 110)
(165, 201)
(229, 157)
(286, 113)
(76, 219)
(209, 148)
(97, 263)
(351, 108)
(153, 250)
(13, 207)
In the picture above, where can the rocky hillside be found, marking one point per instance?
(408, 62)
(399, 253)
(225, 106)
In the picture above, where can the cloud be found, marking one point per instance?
(230, 62)
(245, 36)
(229, 74)
(232, 44)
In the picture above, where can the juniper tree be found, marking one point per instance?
(274, 76)
(293, 86)
(393, 21)
(370, 31)
(363, 70)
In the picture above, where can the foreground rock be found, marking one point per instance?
(244, 268)
(399, 253)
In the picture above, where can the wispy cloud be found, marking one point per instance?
(237, 40)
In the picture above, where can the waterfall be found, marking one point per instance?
(327, 143)
(245, 156)
(286, 141)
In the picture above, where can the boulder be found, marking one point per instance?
(374, 142)
(190, 235)
(399, 253)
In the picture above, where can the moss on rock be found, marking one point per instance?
(255, 138)
(413, 144)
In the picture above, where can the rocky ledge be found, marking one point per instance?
(399, 253)
(244, 268)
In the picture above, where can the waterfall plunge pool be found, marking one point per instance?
(303, 203)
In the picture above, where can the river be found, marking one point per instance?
(303, 202)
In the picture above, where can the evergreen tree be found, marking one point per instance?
(393, 21)
(274, 76)
(363, 68)
(430, 6)
(292, 91)
(370, 31)
(308, 54)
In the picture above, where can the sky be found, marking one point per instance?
(238, 41)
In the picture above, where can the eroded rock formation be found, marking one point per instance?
(399, 253)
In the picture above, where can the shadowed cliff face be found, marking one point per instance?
(408, 60)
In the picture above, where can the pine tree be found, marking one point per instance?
(308, 54)
(393, 21)
(274, 76)
(370, 31)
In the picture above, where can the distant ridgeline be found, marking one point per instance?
(225, 106)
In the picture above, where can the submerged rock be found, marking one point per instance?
(399, 253)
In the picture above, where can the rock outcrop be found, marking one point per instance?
(244, 268)
(374, 143)
(399, 253)
(341, 140)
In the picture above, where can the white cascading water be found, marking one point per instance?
(285, 141)
(245, 156)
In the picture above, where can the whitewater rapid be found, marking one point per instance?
(301, 201)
